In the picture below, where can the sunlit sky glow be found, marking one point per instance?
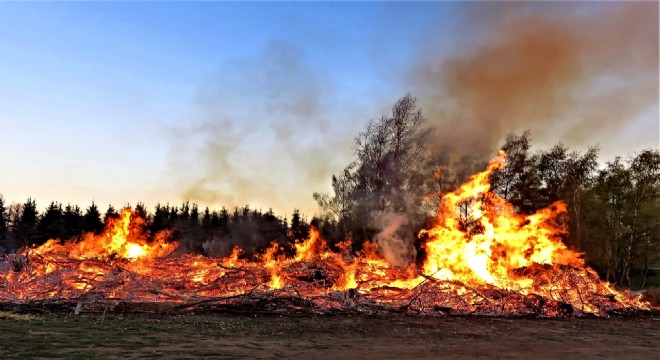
(113, 102)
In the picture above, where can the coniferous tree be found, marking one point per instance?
(273, 228)
(140, 210)
(73, 220)
(25, 228)
(92, 222)
(4, 228)
(160, 220)
(224, 219)
(111, 213)
(206, 220)
(184, 213)
(174, 216)
(194, 215)
(190, 228)
(13, 216)
(299, 230)
(51, 224)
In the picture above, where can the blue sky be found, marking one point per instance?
(122, 102)
(91, 91)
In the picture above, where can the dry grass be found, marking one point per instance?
(7, 315)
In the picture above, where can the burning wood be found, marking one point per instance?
(486, 260)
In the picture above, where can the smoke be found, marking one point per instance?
(217, 248)
(246, 236)
(261, 134)
(264, 129)
(394, 240)
(580, 73)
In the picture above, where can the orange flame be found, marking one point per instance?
(120, 239)
(496, 241)
(271, 263)
(312, 248)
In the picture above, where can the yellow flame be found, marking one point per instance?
(272, 264)
(134, 251)
(312, 248)
(501, 240)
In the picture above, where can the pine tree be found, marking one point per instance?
(73, 220)
(4, 227)
(160, 219)
(194, 215)
(299, 229)
(111, 213)
(25, 229)
(206, 219)
(51, 224)
(92, 220)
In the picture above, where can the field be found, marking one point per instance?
(341, 337)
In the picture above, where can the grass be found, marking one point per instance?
(92, 336)
(233, 337)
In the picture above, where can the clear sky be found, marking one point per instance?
(220, 103)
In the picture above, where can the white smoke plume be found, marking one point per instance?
(394, 240)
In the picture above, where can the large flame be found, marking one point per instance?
(480, 239)
(482, 257)
(123, 238)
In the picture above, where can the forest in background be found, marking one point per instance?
(395, 182)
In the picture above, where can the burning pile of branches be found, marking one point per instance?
(483, 259)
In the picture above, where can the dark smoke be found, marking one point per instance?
(579, 73)
(246, 236)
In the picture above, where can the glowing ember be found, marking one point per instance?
(482, 258)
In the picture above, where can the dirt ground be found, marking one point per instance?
(338, 337)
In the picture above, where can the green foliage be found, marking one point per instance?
(614, 212)
(624, 218)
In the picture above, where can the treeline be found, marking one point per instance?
(208, 231)
(614, 211)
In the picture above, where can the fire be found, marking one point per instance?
(488, 241)
(120, 239)
(271, 263)
(134, 251)
(481, 257)
(311, 248)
